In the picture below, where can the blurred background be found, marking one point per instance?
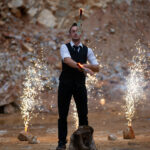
(31, 30)
(31, 33)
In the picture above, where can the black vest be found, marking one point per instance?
(71, 74)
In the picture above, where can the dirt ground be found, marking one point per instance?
(107, 119)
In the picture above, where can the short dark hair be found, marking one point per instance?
(74, 24)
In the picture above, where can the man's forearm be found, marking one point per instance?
(94, 68)
(70, 62)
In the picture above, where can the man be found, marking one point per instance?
(72, 82)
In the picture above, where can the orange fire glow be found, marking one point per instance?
(80, 66)
(102, 101)
(81, 12)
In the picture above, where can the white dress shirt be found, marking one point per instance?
(64, 52)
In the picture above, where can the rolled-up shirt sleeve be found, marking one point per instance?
(64, 51)
(91, 57)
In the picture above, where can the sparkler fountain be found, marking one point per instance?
(33, 84)
(134, 83)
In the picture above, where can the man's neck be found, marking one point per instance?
(76, 42)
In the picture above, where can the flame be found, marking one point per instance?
(26, 128)
(80, 66)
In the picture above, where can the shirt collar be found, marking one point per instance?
(72, 44)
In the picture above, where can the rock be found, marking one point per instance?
(15, 3)
(18, 7)
(2, 23)
(41, 109)
(82, 139)
(7, 99)
(46, 18)
(33, 140)
(53, 4)
(27, 47)
(101, 4)
(24, 136)
(52, 44)
(128, 133)
(32, 11)
(127, 1)
(133, 143)
(104, 38)
(112, 31)
(9, 35)
(112, 137)
(3, 132)
(16, 12)
(8, 109)
(92, 33)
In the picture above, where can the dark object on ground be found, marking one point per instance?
(82, 139)
(129, 133)
(61, 147)
(112, 137)
(26, 136)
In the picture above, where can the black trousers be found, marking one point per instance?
(66, 90)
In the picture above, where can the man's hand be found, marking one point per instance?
(73, 64)
(87, 70)
(84, 69)
(94, 68)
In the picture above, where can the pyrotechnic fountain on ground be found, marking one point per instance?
(34, 83)
(135, 83)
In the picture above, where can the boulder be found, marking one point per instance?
(8, 109)
(128, 133)
(32, 11)
(26, 136)
(33, 140)
(27, 47)
(23, 136)
(15, 3)
(46, 18)
(112, 137)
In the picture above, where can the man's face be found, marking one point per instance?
(74, 33)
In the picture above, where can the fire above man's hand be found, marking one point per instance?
(84, 69)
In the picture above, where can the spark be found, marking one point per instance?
(135, 83)
(33, 84)
(75, 115)
(92, 83)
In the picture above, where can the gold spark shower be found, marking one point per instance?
(91, 84)
(33, 84)
(74, 114)
(135, 83)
